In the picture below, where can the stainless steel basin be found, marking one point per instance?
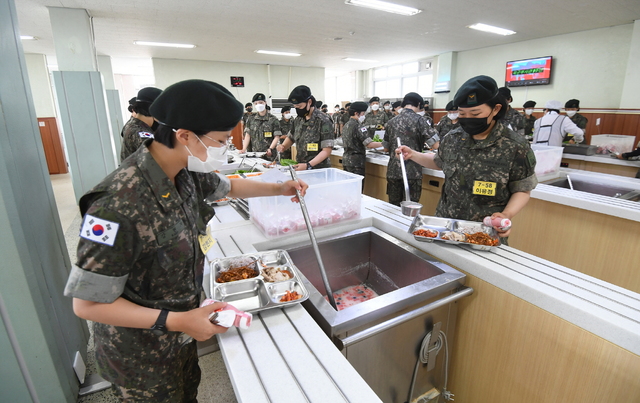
(590, 187)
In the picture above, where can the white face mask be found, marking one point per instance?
(336, 109)
(399, 110)
(571, 113)
(421, 113)
(260, 107)
(452, 116)
(387, 107)
(287, 116)
(216, 157)
(528, 111)
(361, 118)
(375, 107)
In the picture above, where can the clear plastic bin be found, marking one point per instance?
(548, 160)
(333, 196)
(613, 143)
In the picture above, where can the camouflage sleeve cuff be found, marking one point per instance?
(385, 144)
(223, 188)
(277, 133)
(434, 139)
(523, 185)
(326, 143)
(90, 286)
(367, 141)
(437, 160)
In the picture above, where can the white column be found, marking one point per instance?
(631, 87)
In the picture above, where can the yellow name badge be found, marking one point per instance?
(268, 134)
(312, 147)
(484, 188)
(206, 241)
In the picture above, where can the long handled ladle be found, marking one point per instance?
(409, 208)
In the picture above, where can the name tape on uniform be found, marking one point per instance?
(98, 230)
(268, 134)
(484, 188)
(312, 147)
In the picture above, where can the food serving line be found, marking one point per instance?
(285, 356)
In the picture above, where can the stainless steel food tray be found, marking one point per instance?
(256, 294)
(442, 225)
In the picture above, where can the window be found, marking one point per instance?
(410, 84)
(397, 80)
(395, 71)
(410, 68)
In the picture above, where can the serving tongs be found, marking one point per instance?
(314, 243)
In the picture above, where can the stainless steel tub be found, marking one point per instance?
(590, 187)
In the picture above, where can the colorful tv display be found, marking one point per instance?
(525, 72)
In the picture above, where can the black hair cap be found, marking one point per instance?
(451, 107)
(148, 94)
(529, 104)
(374, 99)
(476, 91)
(412, 98)
(572, 103)
(258, 97)
(300, 94)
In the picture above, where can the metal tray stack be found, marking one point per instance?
(256, 294)
(442, 225)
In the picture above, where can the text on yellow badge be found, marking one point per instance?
(484, 188)
(312, 147)
(268, 134)
(206, 241)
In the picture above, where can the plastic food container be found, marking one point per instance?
(613, 143)
(548, 160)
(333, 196)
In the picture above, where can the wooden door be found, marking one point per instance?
(52, 143)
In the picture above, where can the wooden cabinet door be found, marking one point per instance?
(52, 143)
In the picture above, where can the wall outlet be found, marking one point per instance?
(598, 122)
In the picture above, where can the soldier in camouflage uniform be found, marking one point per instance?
(356, 140)
(448, 122)
(139, 260)
(433, 133)
(414, 132)
(375, 119)
(344, 118)
(286, 127)
(489, 170)
(512, 117)
(387, 110)
(312, 132)
(529, 119)
(571, 107)
(335, 118)
(248, 107)
(262, 130)
(141, 125)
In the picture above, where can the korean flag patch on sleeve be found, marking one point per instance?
(145, 135)
(98, 230)
(363, 129)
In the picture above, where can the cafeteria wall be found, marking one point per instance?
(40, 85)
(587, 65)
(632, 80)
(257, 77)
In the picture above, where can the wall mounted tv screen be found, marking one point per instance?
(525, 72)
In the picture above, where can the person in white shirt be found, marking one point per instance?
(552, 127)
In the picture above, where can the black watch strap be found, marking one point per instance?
(309, 166)
(160, 327)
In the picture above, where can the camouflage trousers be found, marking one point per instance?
(357, 171)
(395, 190)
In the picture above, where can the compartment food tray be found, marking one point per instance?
(256, 293)
(442, 225)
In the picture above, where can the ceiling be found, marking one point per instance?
(232, 30)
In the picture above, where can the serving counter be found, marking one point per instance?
(601, 163)
(529, 324)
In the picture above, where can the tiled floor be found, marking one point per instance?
(215, 386)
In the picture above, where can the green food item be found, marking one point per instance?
(241, 171)
(286, 162)
(377, 139)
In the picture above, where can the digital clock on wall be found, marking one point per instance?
(237, 81)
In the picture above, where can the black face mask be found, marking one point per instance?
(302, 112)
(474, 126)
(249, 110)
(155, 125)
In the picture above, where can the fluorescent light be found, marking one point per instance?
(351, 59)
(492, 29)
(28, 37)
(273, 52)
(384, 6)
(165, 44)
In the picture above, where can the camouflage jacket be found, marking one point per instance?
(355, 139)
(413, 132)
(445, 125)
(374, 122)
(246, 116)
(389, 114)
(529, 120)
(515, 119)
(262, 130)
(152, 257)
(135, 133)
(285, 130)
(311, 136)
(581, 122)
(481, 176)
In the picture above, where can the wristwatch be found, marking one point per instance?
(160, 327)
(309, 166)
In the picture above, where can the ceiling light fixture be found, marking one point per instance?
(28, 37)
(492, 29)
(273, 52)
(351, 59)
(384, 6)
(165, 44)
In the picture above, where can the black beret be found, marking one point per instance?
(529, 104)
(148, 94)
(359, 106)
(505, 92)
(347, 105)
(572, 103)
(325, 106)
(451, 107)
(396, 104)
(412, 98)
(387, 102)
(259, 97)
(132, 101)
(374, 99)
(197, 105)
(300, 94)
(285, 109)
(318, 104)
(476, 91)
(248, 104)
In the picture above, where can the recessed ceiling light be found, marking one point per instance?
(351, 59)
(165, 44)
(28, 37)
(384, 6)
(273, 52)
(492, 29)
